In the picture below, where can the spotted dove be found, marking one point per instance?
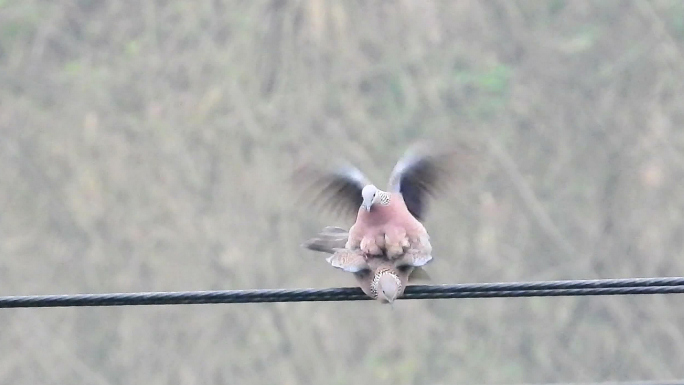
(387, 222)
(379, 277)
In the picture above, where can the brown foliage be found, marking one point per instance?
(147, 145)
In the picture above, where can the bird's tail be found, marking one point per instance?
(328, 240)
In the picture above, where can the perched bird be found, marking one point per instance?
(379, 277)
(387, 222)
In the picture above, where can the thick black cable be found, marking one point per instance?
(566, 284)
(628, 286)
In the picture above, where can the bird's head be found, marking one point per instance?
(368, 193)
(388, 286)
(372, 195)
(378, 276)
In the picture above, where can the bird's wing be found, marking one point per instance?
(352, 261)
(423, 171)
(337, 190)
(416, 258)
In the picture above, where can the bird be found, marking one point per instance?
(387, 222)
(379, 277)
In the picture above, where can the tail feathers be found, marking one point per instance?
(328, 240)
(318, 245)
(334, 230)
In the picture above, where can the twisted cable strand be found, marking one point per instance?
(628, 286)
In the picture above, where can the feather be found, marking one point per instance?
(422, 172)
(337, 191)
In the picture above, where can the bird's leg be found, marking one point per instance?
(369, 246)
(395, 242)
(380, 241)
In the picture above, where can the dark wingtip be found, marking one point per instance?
(432, 168)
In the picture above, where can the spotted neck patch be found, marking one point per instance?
(376, 281)
(383, 198)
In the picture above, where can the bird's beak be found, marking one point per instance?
(366, 205)
(389, 298)
(388, 289)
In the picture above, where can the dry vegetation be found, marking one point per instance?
(146, 145)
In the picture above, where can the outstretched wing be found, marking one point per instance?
(422, 172)
(337, 190)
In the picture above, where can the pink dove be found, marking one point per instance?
(387, 222)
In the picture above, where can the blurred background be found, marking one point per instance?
(147, 146)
